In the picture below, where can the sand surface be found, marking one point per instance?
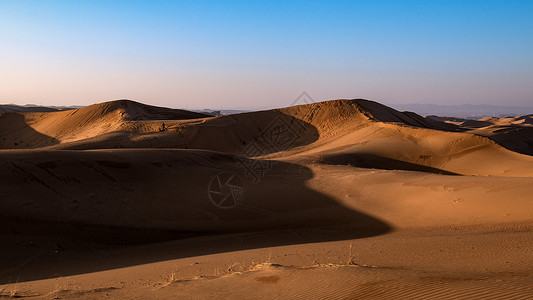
(344, 199)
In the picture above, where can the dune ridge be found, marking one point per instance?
(345, 188)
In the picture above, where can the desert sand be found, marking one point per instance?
(342, 199)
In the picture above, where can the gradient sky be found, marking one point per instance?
(258, 54)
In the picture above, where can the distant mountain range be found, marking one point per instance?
(33, 108)
(220, 112)
(467, 111)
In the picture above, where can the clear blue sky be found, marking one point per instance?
(256, 54)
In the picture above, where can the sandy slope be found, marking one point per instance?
(514, 133)
(337, 199)
(35, 130)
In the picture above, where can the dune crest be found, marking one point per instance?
(35, 130)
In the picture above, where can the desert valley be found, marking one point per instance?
(341, 199)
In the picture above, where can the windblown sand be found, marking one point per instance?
(344, 199)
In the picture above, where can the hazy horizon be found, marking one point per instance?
(250, 56)
(422, 107)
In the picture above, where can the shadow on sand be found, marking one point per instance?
(515, 138)
(59, 206)
(15, 133)
(371, 161)
(73, 212)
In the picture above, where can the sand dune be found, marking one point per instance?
(35, 130)
(350, 128)
(514, 133)
(125, 199)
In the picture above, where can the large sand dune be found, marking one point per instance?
(336, 199)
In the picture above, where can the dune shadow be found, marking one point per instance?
(15, 133)
(62, 209)
(247, 134)
(371, 161)
(515, 138)
(475, 124)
